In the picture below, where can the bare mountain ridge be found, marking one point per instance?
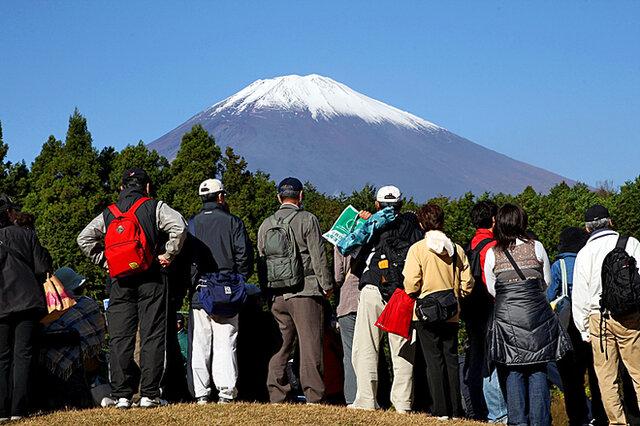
(320, 130)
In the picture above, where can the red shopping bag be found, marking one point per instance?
(396, 316)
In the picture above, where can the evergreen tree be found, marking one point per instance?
(198, 159)
(14, 177)
(251, 197)
(66, 194)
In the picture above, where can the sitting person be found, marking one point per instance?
(71, 345)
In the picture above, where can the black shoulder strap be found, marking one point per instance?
(482, 244)
(454, 260)
(515, 265)
(14, 253)
(622, 242)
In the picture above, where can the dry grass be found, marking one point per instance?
(240, 413)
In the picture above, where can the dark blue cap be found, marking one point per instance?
(290, 187)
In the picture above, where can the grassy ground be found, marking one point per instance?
(241, 413)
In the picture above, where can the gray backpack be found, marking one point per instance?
(284, 265)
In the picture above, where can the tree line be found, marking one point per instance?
(71, 181)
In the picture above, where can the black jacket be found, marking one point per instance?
(23, 272)
(219, 243)
(525, 330)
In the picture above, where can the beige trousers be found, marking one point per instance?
(621, 342)
(366, 349)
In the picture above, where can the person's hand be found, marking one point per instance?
(364, 214)
(164, 260)
(327, 293)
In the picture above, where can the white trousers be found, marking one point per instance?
(365, 352)
(213, 354)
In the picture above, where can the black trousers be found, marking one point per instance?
(439, 343)
(17, 335)
(475, 365)
(134, 304)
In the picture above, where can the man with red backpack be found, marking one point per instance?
(126, 240)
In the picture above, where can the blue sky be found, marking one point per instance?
(555, 84)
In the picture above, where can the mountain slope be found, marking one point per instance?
(320, 130)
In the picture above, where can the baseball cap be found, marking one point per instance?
(596, 212)
(290, 187)
(388, 194)
(211, 186)
(71, 280)
(135, 173)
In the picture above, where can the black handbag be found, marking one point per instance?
(440, 305)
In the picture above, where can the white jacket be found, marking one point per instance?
(587, 279)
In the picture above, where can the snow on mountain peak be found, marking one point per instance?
(322, 97)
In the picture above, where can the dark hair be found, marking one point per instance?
(25, 220)
(483, 213)
(136, 182)
(431, 217)
(5, 218)
(211, 197)
(511, 224)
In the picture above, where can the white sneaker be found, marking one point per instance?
(223, 400)
(357, 407)
(4, 419)
(107, 402)
(146, 402)
(443, 418)
(123, 403)
(203, 400)
(14, 418)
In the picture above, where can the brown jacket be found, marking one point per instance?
(429, 268)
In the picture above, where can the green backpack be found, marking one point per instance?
(284, 265)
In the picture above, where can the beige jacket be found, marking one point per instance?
(428, 268)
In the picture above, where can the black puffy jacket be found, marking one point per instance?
(24, 264)
(525, 330)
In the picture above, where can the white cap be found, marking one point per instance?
(210, 186)
(388, 194)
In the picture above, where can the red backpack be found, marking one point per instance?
(126, 247)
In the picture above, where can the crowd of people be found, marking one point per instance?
(529, 322)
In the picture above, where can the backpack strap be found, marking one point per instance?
(482, 244)
(622, 242)
(515, 265)
(115, 211)
(565, 280)
(287, 220)
(137, 204)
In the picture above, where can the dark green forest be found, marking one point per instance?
(71, 181)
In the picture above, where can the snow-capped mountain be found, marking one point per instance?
(322, 131)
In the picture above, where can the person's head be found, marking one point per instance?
(290, 191)
(572, 239)
(136, 179)
(389, 196)
(483, 214)
(597, 217)
(511, 224)
(212, 190)
(431, 217)
(179, 321)
(72, 281)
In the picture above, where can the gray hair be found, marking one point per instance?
(598, 224)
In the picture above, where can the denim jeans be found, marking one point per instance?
(496, 406)
(526, 387)
(347, 324)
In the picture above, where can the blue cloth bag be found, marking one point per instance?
(222, 293)
(364, 231)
